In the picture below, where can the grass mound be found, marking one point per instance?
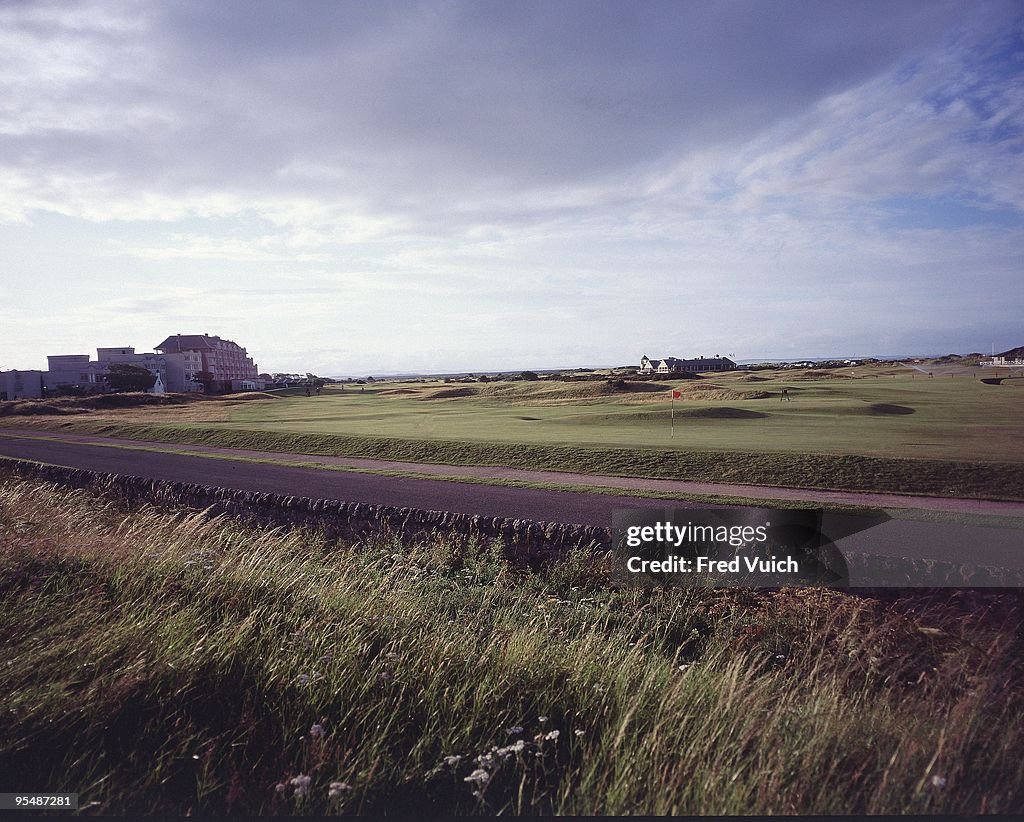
(889, 409)
(712, 391)
(818, 373)
(79, 405)
(723, 412)
(557, 392)
(32, 408)
(452, 393)
(711, 412)
(176, 664)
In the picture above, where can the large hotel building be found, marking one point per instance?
(225, 359)
(176, 361)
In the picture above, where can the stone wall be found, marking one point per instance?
(524, 540)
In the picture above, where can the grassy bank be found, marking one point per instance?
(176, 664)
(826, 471)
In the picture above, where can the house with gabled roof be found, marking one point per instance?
(675, 365)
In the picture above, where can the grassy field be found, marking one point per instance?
(869, 428)
(169, 663)
(877, 413)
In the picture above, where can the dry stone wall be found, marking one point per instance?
(524, 540)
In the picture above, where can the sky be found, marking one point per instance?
(361, 187)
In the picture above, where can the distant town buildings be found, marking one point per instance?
(1003, 362)
(175, 364)
(18, 385)
(675, 365)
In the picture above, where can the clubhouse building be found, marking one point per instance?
(675, 365)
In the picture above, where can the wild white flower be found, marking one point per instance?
(515, 729)
(336, 789)
(552, 735)
(455, 759)
(317, 731)
(542, 719)
(508, 750)
(479, 777)
(939, 781)
(280, 787)
(302, 679)
(301, 784)
(579, 732)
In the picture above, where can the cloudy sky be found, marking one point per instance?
(358, 187)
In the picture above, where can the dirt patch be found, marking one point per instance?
(530, 419)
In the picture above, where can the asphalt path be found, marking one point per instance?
(973, 544)
(403, 492)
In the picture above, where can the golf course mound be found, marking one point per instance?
(885, 409)
(722, 412)
(82, 405)
(711, 391)
(718, 412)
(451, 393)
(567, 393)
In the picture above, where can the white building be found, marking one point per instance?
(19, 385)
(1003, 362)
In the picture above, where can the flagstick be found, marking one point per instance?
(673, 414)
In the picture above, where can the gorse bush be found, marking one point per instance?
(179, 663)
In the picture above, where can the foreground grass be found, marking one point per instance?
(176, 663)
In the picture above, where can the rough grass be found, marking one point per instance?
(83, 405)
(175, 664)
(826, 471)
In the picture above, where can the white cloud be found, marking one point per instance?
(428, 185)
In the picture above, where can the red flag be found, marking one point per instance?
(677, 395)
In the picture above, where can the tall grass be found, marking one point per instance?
(184, 664)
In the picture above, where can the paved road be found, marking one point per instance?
(432, 495)
(1002, 547)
